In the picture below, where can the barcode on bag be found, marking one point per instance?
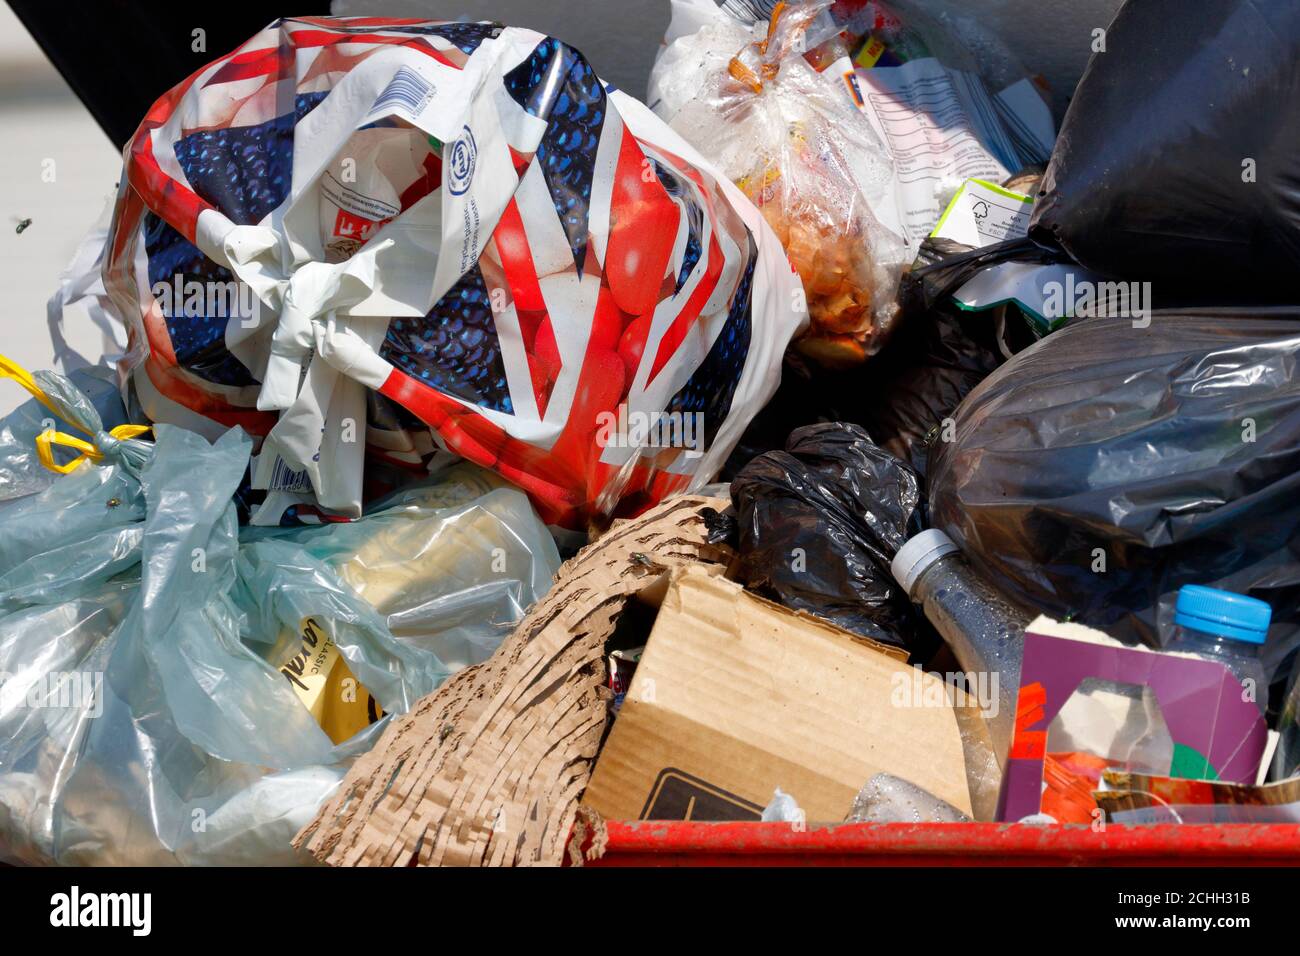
(284, 478)
(406, 90)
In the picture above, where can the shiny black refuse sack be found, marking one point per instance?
(1178, 161)
(1106, 466)
(818, 525)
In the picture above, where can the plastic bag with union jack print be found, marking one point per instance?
(365, 240)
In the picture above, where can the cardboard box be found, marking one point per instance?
(736, 696)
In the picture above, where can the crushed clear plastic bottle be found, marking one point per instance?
(984, 630)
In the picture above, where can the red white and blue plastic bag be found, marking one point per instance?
(364, 238)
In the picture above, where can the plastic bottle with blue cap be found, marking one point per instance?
(1228, 628)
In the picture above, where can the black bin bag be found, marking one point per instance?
(900, 399)
(818, 525)
(1178, 161)
(1106, 466)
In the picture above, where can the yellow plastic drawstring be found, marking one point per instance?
(12, 370)
(48, 439)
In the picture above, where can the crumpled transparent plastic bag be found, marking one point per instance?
(802, 153)
(851, 124)
(143, 719)
(142, 723)
(75, 532)
(889, 799)
(451, 564)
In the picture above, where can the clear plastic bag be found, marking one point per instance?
(79, 531)
(151, 723)
(889, 799)
(148, 719)
(21, 472)
(801, 151)
(850, 124)
(38, 744)
(451, 563)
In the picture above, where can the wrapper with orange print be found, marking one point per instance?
(1145, 798)
(1068, 782)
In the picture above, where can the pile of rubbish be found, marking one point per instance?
(472, 411)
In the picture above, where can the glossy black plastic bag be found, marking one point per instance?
(819, 524)
(1101, 469)
(929, 371)
(901, 398)
(1179, 158)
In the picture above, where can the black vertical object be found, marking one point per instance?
(119, 56)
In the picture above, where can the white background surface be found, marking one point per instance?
(42, 119)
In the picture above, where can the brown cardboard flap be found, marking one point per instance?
(488, 769)
(735, 696)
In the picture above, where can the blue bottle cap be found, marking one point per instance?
(1223, 613)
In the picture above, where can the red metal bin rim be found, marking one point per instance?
(674, 843)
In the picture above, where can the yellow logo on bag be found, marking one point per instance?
(321, 678)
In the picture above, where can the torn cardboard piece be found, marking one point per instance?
(735, 696)
(488, 769)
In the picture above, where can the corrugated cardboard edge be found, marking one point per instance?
(488, 769)
(590, 837)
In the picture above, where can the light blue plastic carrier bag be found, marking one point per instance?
(145, 715)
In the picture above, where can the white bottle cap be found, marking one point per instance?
(918, 554)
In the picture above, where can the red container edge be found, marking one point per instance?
(675, 843)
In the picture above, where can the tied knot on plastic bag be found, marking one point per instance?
(119, 444)
(312, 298)
(313, 303)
